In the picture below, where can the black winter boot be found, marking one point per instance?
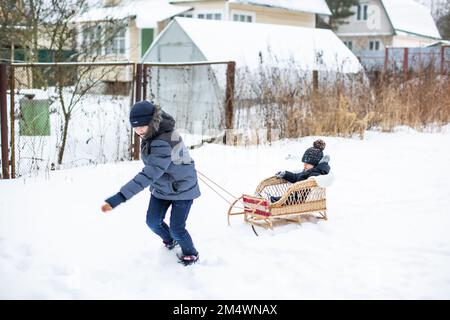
(187, 260)
(170, 245)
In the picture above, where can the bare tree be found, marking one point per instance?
(55, 26)
(62, 30)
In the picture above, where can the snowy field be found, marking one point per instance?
(387, 236)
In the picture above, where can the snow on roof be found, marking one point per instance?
(147, 13)
(311, 49)
(439, 43)
(103, 14)
(313, 6)
(411, 17)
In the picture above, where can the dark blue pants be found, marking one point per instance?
(156, 213)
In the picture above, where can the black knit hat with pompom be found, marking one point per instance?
(314, 154)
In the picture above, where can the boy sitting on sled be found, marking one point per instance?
(314, 164)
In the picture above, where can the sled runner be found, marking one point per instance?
(300, 201)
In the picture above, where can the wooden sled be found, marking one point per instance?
(301, 201)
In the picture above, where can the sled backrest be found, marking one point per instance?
(255, 205)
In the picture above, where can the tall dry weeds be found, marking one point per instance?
(345, 106)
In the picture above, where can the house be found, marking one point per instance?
(12, 30)
(126, 28)
(140, 24)
(377, 24)
(300, 13)
(22, 41)
(185, 39)
(145, 19)
(120, 31)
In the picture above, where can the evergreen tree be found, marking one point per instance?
(340, 10)
(443, 22)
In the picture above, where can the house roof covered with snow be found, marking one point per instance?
(310, 49)
(147, 13)
(439, 43)
(411, 17)
(312, 6)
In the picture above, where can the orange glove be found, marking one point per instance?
(106, 207)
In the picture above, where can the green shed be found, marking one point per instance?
(35, 117)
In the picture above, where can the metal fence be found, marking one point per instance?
(63, 115)
(57, 115)
(407, 59)
(198, 95)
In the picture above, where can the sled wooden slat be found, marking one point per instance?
(304, 199)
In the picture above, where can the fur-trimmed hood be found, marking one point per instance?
(161, 122)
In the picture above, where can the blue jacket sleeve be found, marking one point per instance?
(158, 161)
(115, 200)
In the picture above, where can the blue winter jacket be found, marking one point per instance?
(169, 170)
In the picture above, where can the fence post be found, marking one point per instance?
(405, 60)
(12, 81)
(144, 82)
(386, 59)
(315, 81)
(443, 59)
(229, 97)
(138, 97)
(4, 121)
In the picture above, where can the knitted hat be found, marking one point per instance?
(314, 154)
(141, 113)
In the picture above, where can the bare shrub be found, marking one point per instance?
(287, 100)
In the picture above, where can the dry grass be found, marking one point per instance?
(345, 106)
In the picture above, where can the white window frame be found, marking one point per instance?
(374, 42)
(90, 33)
(362, 12)
(186, 15)
(114, 48)
(243, 13)
(196, 14)
(349, 44)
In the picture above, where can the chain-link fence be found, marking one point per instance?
(63, 115)
(69, 114)
(195, 94)
(407, 59)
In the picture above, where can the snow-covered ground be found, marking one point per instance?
(387, 236)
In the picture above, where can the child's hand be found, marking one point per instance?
(113, 202)
(280, 174)
(106, 207)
